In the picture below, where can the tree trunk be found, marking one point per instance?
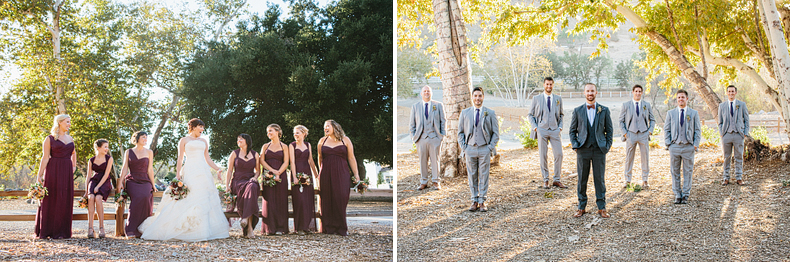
(55, 30)
(165, 117)
(686, 68)
(781, 57)
(456, 76)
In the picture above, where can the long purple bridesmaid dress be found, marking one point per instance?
(53, 219)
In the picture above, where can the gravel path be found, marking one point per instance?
(525, 223)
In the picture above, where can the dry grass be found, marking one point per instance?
(720, 223)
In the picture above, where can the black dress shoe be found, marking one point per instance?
(684, 200)
(678, 200)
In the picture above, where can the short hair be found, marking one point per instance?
(548, 78)
(728, 87)
(682, 91)
(301, 128)
(477, 88)
(194, 122)
(136, 136)
(591, 84)
(637, 86)
(277, 128)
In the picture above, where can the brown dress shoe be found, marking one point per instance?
(546, 185)
(437, 186)
(626, 184)
(558, 184)
(644, 185)
(725, 182)
(579, 213)
(482, 207)
(603, 213)
(423, 186)
(474, 207)
(739, 182)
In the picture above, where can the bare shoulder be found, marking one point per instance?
(346, 139)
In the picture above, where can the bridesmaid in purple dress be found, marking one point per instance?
(99, 184)
(335, 156)
(138, 180)
(303, 200)
(275, 199)
(59, 160)
(242, 180)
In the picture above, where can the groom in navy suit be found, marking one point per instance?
(591, 138)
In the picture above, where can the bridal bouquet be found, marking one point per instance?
(37, 191)
(302, 179)
(83, 203)
(269, 181)
(120, 198)
(178, 190)
(362, 186)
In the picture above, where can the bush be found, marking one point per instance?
(760, 133)
(526, 130)
(711, 136)
(655, 140)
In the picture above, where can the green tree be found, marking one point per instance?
(412, 64)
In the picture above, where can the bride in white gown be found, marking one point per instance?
(198, 216)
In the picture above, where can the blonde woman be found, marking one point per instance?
(302, 196)
(335, 158)
(56, 173)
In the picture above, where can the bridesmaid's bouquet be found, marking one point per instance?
(227, 197)
(302, 179)
(83, 203)
(37, 191)
(362, 186)
(269, 181)
(120, 198)
(178, 190)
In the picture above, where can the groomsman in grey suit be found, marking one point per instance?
(682, 136)
(733, 127)
(478, 133)
(637, 123)
(426, 126)
(545, 116)
(591, 138)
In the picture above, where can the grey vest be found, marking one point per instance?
(477, 137)
(428, 131)
(682, 133)
(638, 122)
(731, 126)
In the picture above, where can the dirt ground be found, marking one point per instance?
(368, 240)
(526, 223)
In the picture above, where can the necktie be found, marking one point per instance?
(548, 102)
(681, 117)
(637, 108)
(426, 110)
(590, 106)
(731, 113)
(477, 115)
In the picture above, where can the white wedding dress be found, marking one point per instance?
(198, 216)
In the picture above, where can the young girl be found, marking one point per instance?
(99, 184)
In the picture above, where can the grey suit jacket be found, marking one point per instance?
(466, 127)
(645, 114)
(602, 123)
(417, 119)
(741, 117)
(539, 113)
(672, 126)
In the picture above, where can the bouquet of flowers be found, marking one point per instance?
(269, 181)
(120, 198)
(302, 179)
(177, 189)
(227, 197)
(83, 203)
(37, 191)
(361, 186)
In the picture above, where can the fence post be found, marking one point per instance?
(119, 221)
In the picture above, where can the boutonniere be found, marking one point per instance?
(599, 109)
(688, 118)
(558, 102)
(485, 113)
(434, 108)
(644, 107)
(737, 106)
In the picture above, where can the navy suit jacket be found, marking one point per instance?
(602, 123)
